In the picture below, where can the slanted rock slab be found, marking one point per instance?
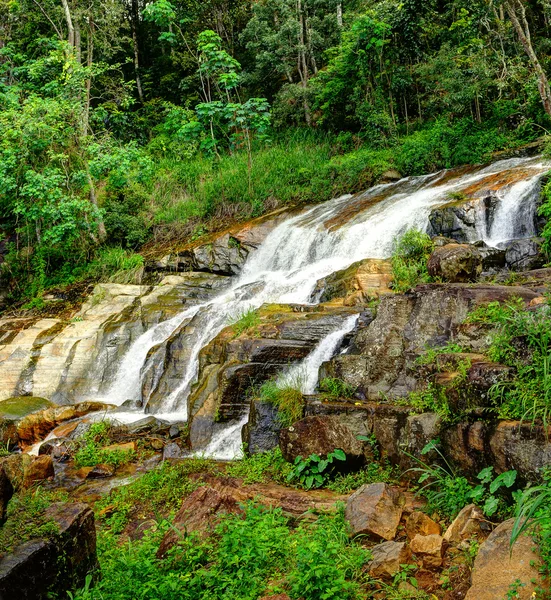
(466, 525)
(430, 548)
(418, 523)
(375, 510)
(497, 567)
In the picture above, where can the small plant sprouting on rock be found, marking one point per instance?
(315, 471)
(92, 450)
(335, 388)
(286, 396)
(245, 322)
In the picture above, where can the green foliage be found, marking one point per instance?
(248, 556)
(409, 260)
(158, 492)
(447, 492)
(431, 399)
(533, 516)
(245, 322)
(92, 451)
(286, 396)
(262, 467)
(335, 388)
(315, 471)
(521, 339)
(545, 211)
(26, 518)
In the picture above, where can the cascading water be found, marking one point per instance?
(312, 245)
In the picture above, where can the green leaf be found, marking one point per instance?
(339, 454)
(507, 479)
(490, 506)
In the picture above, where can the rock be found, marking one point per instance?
(466, 525)
(388, 559)
(42, 467)
(456, 263)
(101, 471)
(261, 432)
(418, 523)
(320, 435)
(493, 259)
(276, 597)
(524, 254)
(498, 567)
(145, 425)
(58, 449)
(174, 431)
(430, 548)
(6, 492)
(200, 512)
(375, 510)
(458, 219)
(57, 564)
(125, 447)
(17, 408)
(172, 450)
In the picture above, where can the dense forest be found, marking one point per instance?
(129, 124)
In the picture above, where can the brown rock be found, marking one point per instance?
(430, 548)
(466, 525)
(418, 523)
(127, 447)
(42, 467)
(455, 263)
(387, 558)
(497, 566)
(320, 435)
(375, 509)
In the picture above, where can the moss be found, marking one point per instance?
(19, 407)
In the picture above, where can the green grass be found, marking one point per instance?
(159, 491)
(334, 388)
(26, 518)
(261, 468)
(92, 451)
(286, 396)
(245, 322)
(375, 472)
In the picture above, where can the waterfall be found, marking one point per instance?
(312, 245)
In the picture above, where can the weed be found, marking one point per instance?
(261, 467)
(315, 471)
(92, 451)
(245, 322)
(287, 398)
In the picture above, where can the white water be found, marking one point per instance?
(298, 253)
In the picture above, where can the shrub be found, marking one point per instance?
(409, 260)
(92, 451)
(314, 471)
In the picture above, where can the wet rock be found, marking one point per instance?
(174, 431)
(466, 525)
(261, 432)
(6, 492)
(375, 510)
(456, 263)
(388, 559)
(172, 450)
(320, 435)
(458, 219)
(145, 425)
(498, 567)
(57, 564)
(58, 449)
(525, 254)
(430, 548)
(17, 408)
(358, 283)
(418, 523)
(41, 468)
(493, 259)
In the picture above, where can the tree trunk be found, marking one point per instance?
(302, 66)
(339, 14)
(517, 13)
(69, 20)
(134, 22)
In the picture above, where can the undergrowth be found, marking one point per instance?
(261, 467)
(409, 260)
(92, 448)
(286, 396)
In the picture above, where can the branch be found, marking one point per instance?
(59, 34)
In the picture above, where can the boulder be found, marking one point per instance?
(57, 564)
(261, 432)
(458, 218)
(388, 559)
(498, 567)
(466, 525)
(17, 408)
(418, 523)
(430, 548)
(524, 254)
(375, 510)
(101, 471)
(320, 435)
(455, 263)
(42, 467)
(171, 451)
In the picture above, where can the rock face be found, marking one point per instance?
(525, 254)
(58, 564)
(388, 559)
(456, 263)
(61, 360)
(498, 567)
(261, 433)
(321, 436)
(375, 510)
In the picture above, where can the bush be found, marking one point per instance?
(261, 468)
(92, 451)
(409, 260)
(286, 397)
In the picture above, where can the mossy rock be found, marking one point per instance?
(21, 406)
